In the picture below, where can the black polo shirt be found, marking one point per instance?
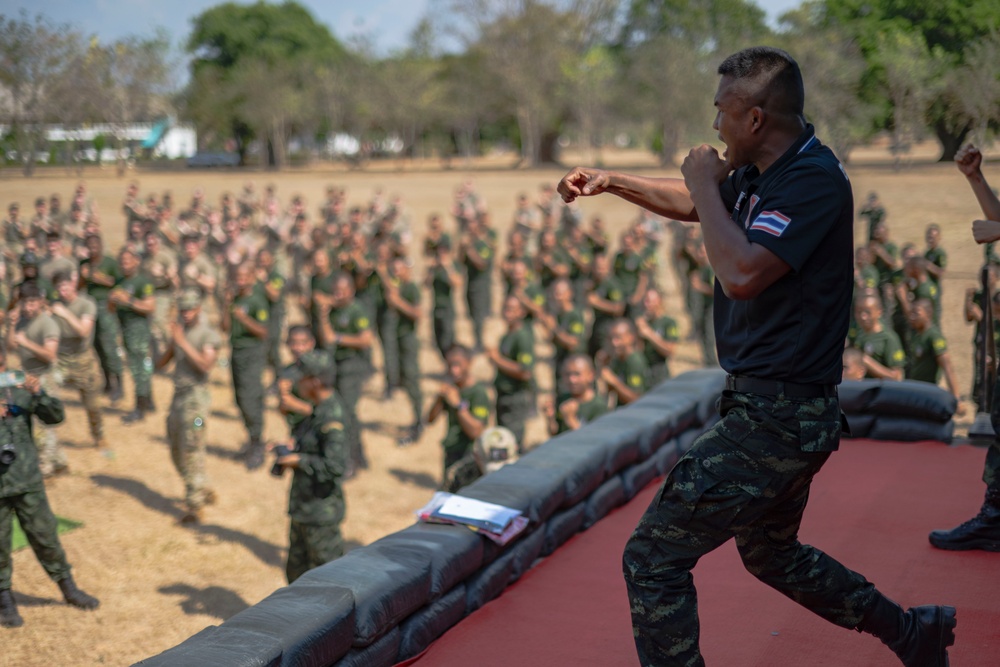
(802, 210)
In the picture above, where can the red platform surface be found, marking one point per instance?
(871, 508)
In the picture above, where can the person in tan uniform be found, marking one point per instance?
(194, 347)
(161, 266)
(34, 335)
(76, 314)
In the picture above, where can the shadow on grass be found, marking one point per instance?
(268, 553)
(212, 600)
(421, 479)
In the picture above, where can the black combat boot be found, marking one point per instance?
(75, 596)
(980, 532)
(255, 454)
(115, 382)
(138, 414)
(920, 636)
(148, 401)
(9, 618)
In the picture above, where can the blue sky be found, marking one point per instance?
(387, 22)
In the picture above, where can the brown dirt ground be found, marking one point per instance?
(160, 583)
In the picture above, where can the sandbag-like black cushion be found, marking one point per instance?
(455, 552)
(221, 645)
(635, 478)
(423, 627)
(535, 492)
(313, 624)
(856, 395)
(860, 425)
(490, 582)
(608, 496)
(562, 526)
(526, 550)
(905, 429)
(380, 654)
(574, 456)
(617, 438)
(909, 398)
(388, 585)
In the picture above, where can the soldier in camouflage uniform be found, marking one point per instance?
(245, 318)
(98, 275)
(160, 265)
(193, 345)
(347, 332)
(34, 334)
(319, 461)
(132, 299)
(783, 262)
(22, 493)
(76, 315)
(983, 530)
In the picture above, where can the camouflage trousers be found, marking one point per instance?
(78, 371)
(50, 455)
(186, 424)
(159, 321)
(746, 478)
(40, 527)
(137, 341)
(311, 545)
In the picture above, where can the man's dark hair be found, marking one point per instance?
(300, 329)
(53, 236)
(459, 349)
(774, 78)
(62, 277)
(30, 290)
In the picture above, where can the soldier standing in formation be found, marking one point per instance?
(193, 345)
(98, 275)
(132, 299)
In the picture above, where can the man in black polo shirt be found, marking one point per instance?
(777, 216)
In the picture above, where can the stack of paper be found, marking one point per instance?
(496, 522)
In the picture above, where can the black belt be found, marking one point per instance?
(774, 388)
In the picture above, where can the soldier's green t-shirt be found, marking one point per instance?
(609, 289)
(189, 271)
(571, 321)
(869, 277)
(885, 270)
(275, 281)
(519, 346)
(431, 245)
(485, 251)
(320, 285)
(70, 342)
(587, 412)
(442, 288)
(628, 267)
(39, 329)
(351, 319)
(316, 495)
(51, 265)
(666, 328)
(882, 346)
(410, 293)
(109, 268)
(547, 273)
(923, 349)
(929, 290)
(456, 443)
(938, 257)
(201, 335)
(159, 267)
(633, 371)
(138, 286)
(256, 306)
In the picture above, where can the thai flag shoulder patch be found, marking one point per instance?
(772, 222)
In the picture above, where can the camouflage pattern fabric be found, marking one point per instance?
(77, 371)
(247, 366)
(461, 473)
(50, 455)
(311, 545)
(136, 336)
(41, 529)
(106, 340)
(186, 424)
(748, 477)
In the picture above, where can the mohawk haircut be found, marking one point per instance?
(771, 77)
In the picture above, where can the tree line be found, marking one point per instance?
(529, 74)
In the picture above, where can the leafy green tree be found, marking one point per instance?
(260, 71)
(946, 27)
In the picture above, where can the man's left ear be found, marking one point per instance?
(756, 119)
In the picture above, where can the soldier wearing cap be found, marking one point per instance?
(319, 461)
(193, 345)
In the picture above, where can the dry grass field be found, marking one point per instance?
(159, 582)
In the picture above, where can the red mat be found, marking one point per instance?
(871, 508)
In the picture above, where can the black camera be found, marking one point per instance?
(279, 450)
(7, 454)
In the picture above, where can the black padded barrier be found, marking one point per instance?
(535, 492)
(388, 585)
(610, 495)
(426, 625)
(562, 526)
(380, 654)
(221, 645)
(582, 468)
(313, 624)
(455, 552)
